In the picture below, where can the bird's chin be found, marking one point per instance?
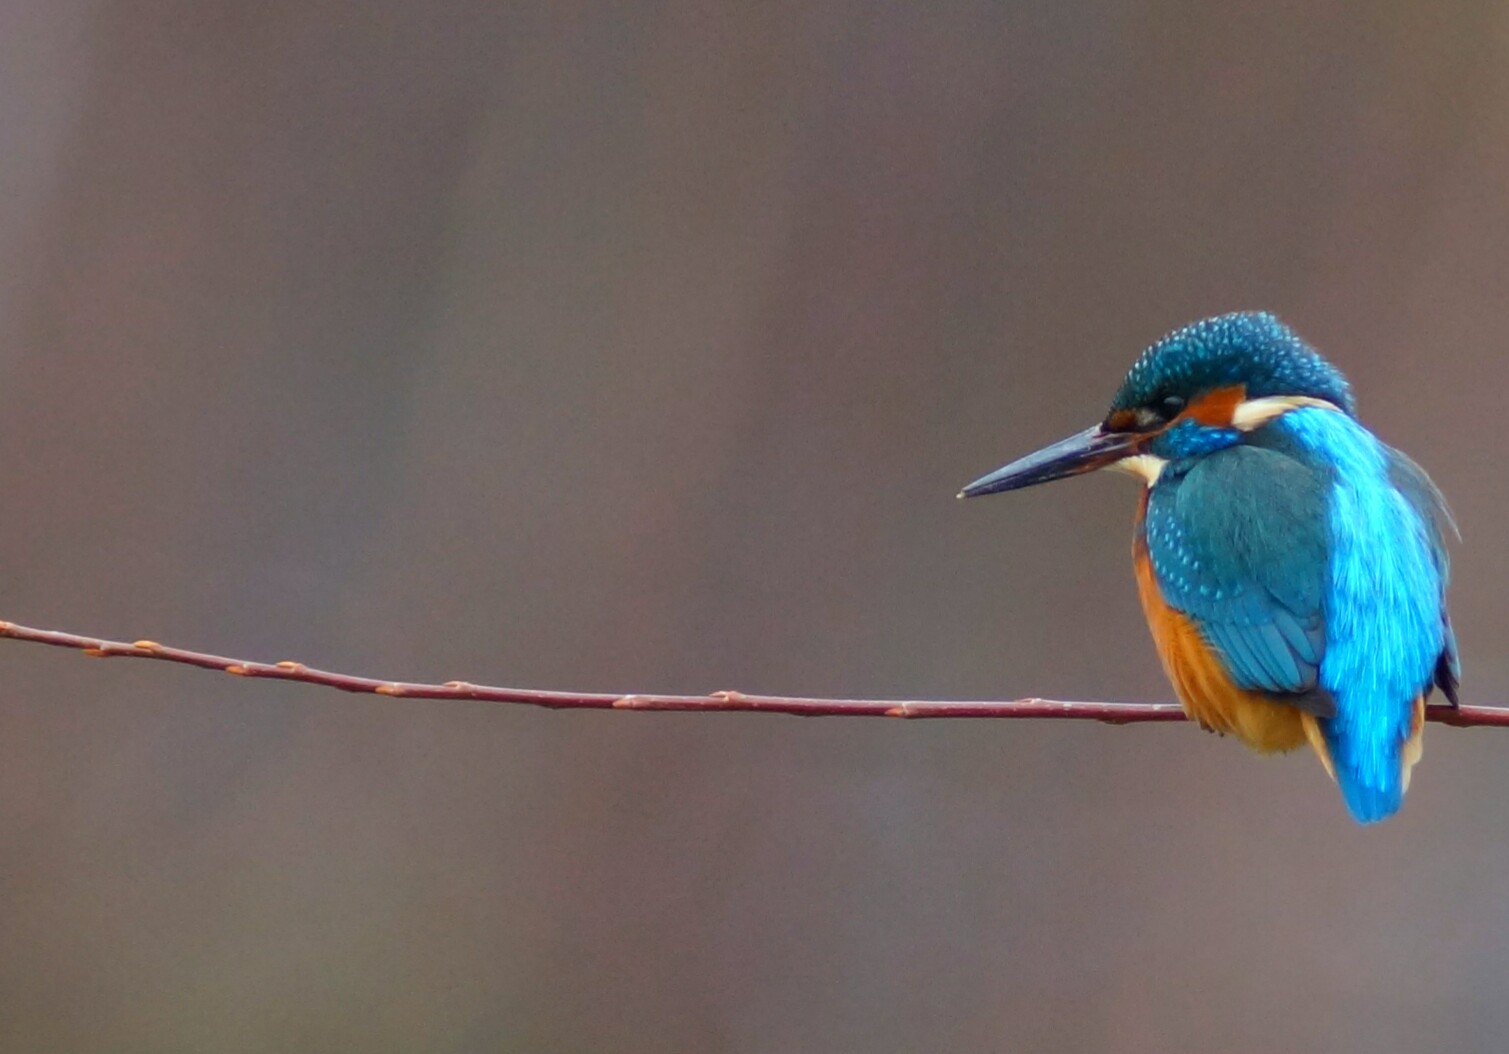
(1146, 467)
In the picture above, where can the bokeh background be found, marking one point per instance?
(642, 346)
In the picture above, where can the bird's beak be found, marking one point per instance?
(1089, 450)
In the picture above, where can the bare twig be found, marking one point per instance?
(717, 702)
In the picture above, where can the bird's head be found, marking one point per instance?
(1198, 390)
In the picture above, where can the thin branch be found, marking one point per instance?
(717, 702)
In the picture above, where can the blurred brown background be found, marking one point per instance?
(643, 346)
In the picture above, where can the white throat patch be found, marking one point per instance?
(1146, 467)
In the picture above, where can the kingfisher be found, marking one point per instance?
(1292, 567)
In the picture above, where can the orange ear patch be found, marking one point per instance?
(1216, 408)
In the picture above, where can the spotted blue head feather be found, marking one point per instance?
(1250, 348)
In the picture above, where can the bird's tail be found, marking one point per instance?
(1372, 791)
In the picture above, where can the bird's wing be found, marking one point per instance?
(1240, 544)
(1430, 505)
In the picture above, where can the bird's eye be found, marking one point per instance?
(1171, 406)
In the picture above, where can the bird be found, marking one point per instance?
(1292, 567)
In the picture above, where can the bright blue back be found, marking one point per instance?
(1384, 606)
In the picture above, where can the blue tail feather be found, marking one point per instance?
(1371, 779)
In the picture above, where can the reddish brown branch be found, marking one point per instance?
(719, 702)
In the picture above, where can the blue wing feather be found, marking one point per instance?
(1239, 542)
(1430, 505)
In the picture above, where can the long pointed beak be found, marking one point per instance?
(1089, 450)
